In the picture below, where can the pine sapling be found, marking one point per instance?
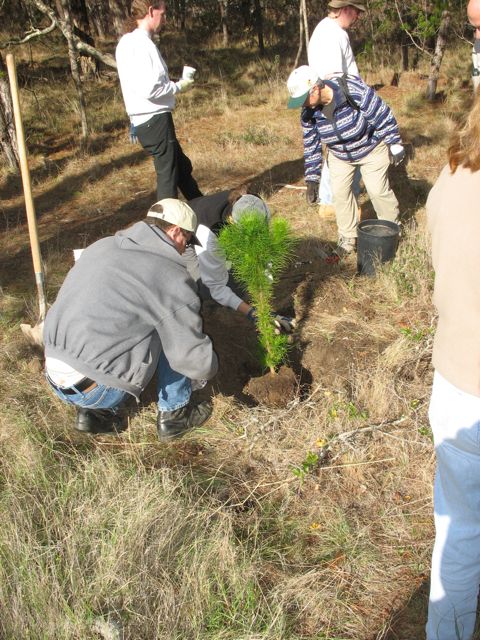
(258, 251)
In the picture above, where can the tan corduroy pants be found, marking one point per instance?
(374, 170)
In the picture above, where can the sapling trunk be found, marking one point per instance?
(258, 252)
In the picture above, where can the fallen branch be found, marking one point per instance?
(35, 33)
(355, 464)
(290, 186)
(346, 435)
(56, 22)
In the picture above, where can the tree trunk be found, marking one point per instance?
(245, 10)
(404, 48)
(80, 16)
(176, 13)
(303, 4)
(301, 29)
(223, 19)
(96, 18)
(438, 55)
(8, 137)
(259, 26)
(117, 14)
(75, 68)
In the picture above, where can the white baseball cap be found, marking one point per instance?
(176, 212)
(299, 84)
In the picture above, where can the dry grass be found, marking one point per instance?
(308, 522)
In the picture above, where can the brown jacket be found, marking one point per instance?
(453, 209)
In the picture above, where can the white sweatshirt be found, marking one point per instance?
(329, 50)
(146, 87)
(214, 268)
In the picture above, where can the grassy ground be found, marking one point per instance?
(307, 522)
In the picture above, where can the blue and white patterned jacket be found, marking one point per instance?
(349, 133)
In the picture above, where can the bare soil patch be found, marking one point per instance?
(273, 389)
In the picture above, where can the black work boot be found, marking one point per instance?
(174, 424)
(98, 421)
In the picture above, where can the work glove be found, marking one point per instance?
(396, 153)
(133, 134)
(184, 84)
(312, 192)
(283, 324)
(252, 315)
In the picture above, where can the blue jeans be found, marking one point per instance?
(455, 576)
(174, 391)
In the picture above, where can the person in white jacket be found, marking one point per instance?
(149, 97)
(329, 54)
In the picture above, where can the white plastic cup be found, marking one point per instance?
(188, 72)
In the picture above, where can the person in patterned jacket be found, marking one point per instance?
(359, 130)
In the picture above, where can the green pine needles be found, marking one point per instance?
(258, 252)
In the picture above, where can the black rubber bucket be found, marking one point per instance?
(377, 242)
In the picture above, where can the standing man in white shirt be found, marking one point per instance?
(330, 53)
(149, 97)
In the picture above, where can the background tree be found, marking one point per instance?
(438, 55)
(8, 136)
(223, 4)
(258, 13)
(75, 67)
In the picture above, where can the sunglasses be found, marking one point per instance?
(188, 235)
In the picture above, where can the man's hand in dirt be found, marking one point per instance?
(283, 324)
(312, 192)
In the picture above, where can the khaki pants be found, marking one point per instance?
(374, 170)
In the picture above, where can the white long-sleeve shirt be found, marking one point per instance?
(214, 268)
(329, 50)
(146, 87)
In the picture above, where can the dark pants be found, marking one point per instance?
(173, 167)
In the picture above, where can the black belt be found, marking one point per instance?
(83, 385)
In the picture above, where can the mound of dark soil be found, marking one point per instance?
(273, 389)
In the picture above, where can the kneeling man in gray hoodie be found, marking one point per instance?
(127, 309)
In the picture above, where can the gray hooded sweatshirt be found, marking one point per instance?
(128, 297)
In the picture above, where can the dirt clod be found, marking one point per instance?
(273, 389)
